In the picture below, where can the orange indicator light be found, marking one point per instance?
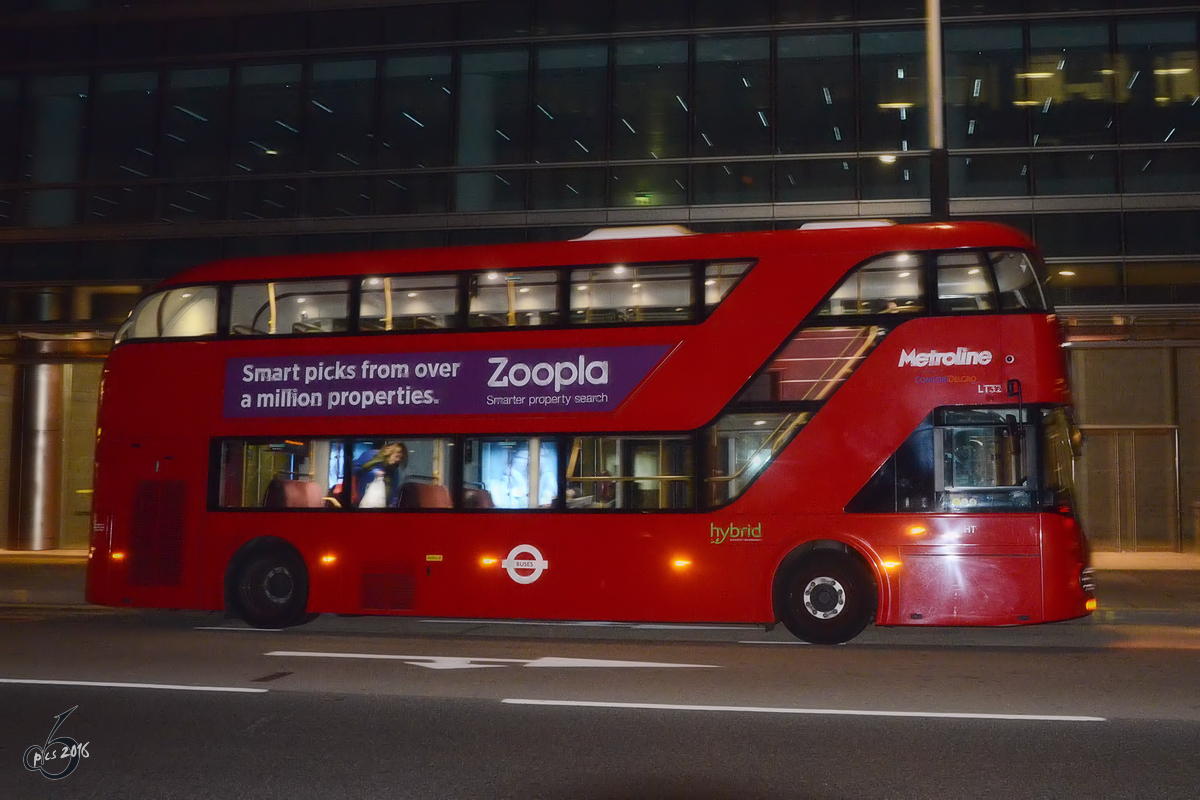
(487, 562)
(118, 556)
(680, 562)
(328, 559)
(1090, 605)
(891, 564)
(916, 530)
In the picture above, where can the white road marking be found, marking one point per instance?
(117, 685)
(466, 662)
(642, 626)
(231, 628)
(808, 711)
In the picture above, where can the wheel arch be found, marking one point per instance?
(866, 557)
(248, 549)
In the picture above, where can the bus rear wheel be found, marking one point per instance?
(827, 598)
(271, 589)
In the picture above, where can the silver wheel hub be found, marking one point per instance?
(824, 598)
(277, 585)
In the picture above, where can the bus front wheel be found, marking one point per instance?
(827, 598)
(272, 588)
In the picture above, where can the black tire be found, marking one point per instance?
(828, 597)
(271, 589)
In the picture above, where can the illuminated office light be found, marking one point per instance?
(1035, 76)
(888, 159)
(1174, 71)
(1066, 273)
(978, 86)
(895, 105)
(828, 96)
(412, 294)
(1027, 102)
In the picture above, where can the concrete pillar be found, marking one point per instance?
(35, 499)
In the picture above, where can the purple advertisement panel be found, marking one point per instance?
(482, 382)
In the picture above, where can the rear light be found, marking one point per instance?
(1087, 580)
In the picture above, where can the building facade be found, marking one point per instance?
(138, 138)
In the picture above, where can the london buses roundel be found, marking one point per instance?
(525, 563)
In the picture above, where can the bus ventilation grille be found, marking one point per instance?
(156, 534)
(386, 587)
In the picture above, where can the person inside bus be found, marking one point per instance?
(378, 474)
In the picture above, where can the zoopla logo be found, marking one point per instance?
(525, 557)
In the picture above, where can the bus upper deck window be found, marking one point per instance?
(409, 302)
(187, 311)
(891, 284)
(719, 280)
(514, 299)
(964, 283)
(283, 307)
(1017, 281)
(631, 294)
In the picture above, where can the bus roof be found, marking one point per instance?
(600, 250)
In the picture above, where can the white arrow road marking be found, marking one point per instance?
(460, 662)
(810, 711)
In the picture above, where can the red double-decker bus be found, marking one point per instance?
(827, 427)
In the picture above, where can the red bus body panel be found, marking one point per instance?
(162, 407)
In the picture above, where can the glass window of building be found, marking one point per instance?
(1159, 104)
(569, 116)
(579, 187)
(266, 120)
(409, 302)
(10, 97)
(341, 115)
(1160, 170)
(645, 473)
(495, 19)
(492, 126)
(412, 194)
(733, 182)
(1078, 234)
(651, 15)
(272, 32)
(631, 294)
(572, 18)
(419, 23)
(722, 13)
(816, 91)
(649, 185)
(826, 179)
(889, 177)
(515, 473)
(200, 37)
(893, 90)
(338, 197)
(53, 137)
(514, 299)
(990, 175)
(196, 125)
(417, 109)
(124, 116)
(270, 199)
(1075, 173)
(286, 307)
(346, 28)
(650, 100)
(733, 97)
(891, 284)
(1068, 85)
(981, 87)
(964, 284)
